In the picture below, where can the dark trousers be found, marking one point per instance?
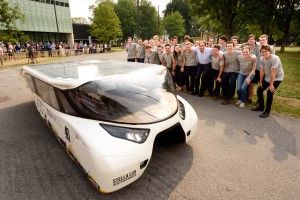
(260, 95)
(190, 74)
(217, 85)
(140, 60)
(204, 73)
(131, 59)
(179, 76)
(229, 84)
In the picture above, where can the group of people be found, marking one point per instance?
(221, 69)
(32, 49)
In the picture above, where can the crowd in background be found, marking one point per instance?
(32, 50)
(221, 69)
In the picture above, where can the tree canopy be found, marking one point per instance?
(126, 11)
(106, 25)
(183, 8)
(148, 20)
(9, 15)
(174, 24)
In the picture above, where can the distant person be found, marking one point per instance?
(31, 51)
(271, 75)
(131, 50)
(1, 56)
(140, 51)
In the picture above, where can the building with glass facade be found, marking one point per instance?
(45, 20)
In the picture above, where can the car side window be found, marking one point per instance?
(46, 92)
(29, 80)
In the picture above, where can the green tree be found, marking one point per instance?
(126, 11)
(286, 10)
(106, 25)
(182, 7)
(9, 15)
(174, 24)
(148, 20)
(222, 12)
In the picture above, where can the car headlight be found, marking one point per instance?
(181, 110)
(137, 135)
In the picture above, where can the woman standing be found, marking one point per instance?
(178, 67)
(247, 63)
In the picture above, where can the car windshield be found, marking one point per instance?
(142, 96)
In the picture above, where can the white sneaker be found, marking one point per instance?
(238, 102)
(242, 105)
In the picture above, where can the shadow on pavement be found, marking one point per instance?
(34, 166)
(247, 124)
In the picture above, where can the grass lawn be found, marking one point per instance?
(287, 98)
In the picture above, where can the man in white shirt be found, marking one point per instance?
(204, 71)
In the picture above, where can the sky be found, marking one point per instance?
(80, 8)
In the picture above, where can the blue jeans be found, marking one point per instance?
(242, 87)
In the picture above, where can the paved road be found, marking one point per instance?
(235, 155)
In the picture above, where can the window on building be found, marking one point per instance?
(67, 5)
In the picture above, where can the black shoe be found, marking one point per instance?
(264, 115)
(200, 95)
(257, 109)
(195, 93)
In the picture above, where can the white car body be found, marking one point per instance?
(110, 162)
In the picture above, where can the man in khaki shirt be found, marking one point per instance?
(131, 50)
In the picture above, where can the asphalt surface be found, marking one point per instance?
(235, 154)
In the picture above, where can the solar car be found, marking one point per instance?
(107, 114)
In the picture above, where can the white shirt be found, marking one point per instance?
(205, 56)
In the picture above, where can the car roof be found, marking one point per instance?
(68, 75)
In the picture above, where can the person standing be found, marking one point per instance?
(222, 43)
(178, 65)
(1, 56)
(140, 51)
(254, 49)
(151, 56)
(204, 71)
(231, 68)
(271, 75)
(210, 42)
(263, 40)
(167, 59)
(131, 50)
(247, 63)
(236, 45)
(217, 63)
(190, 66)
